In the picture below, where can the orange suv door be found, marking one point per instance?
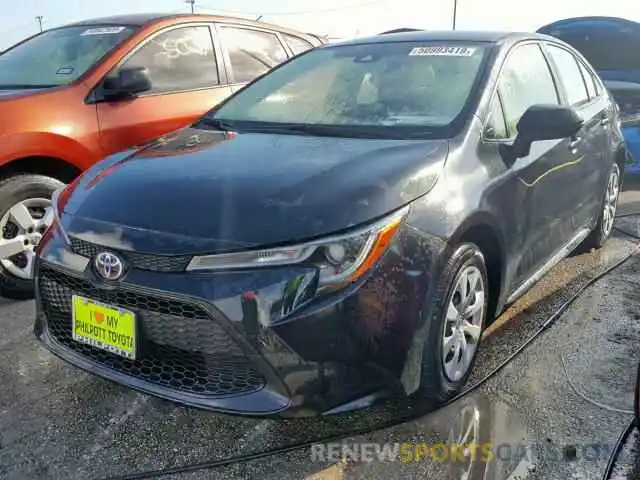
(187, 78)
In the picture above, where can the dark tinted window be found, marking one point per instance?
(251, 52)
(525, 81)
(496, 127)
(180, 59)
(58, 57)
(589, 80)
(569, 75)
(298, 45)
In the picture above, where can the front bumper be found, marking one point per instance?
(246, 342)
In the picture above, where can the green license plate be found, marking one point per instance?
(104, 326)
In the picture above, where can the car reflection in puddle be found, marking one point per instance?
(472, 439)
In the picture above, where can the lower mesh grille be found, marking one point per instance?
(180, 345)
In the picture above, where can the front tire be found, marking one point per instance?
(25, 214)
(455, 323)
(600, 234)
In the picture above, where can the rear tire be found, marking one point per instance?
(449, 330)
(600, 234)
(25, 212)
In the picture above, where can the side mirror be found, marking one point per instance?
(127, 82)
(545, 122)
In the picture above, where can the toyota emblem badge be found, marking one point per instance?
(109, 266)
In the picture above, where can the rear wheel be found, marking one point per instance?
(25, 214)
(607, 217)
(455, 324)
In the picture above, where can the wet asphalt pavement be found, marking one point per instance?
(552, 413)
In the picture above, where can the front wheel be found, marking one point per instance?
(607, 216)
(25, 214)
(455, 324)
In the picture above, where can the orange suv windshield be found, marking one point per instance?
(58, 57)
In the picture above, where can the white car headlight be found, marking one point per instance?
(340, 258)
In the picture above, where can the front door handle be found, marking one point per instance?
(574, 143)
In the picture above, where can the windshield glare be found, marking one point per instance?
(381, 85)
(58, 57)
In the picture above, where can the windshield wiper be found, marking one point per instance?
(317, 129)
(347, 131)
(216, 123)
(17, 86)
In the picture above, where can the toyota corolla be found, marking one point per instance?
(340, 230)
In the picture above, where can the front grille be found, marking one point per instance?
(179, 345)
(142, 261)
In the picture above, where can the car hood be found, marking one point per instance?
(218, 191)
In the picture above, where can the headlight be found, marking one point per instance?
(340, 258)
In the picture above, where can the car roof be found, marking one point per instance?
(140, 19)
(449, 35)
(137, 19)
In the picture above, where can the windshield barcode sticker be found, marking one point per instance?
(442, 52)
(103, 31)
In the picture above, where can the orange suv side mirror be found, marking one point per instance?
(127, 82)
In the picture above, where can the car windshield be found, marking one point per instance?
(58, 57)
(380, 89)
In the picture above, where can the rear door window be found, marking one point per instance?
(590, 80)
(251, 52)
(569, 75)
(525, 81)
(297, 45)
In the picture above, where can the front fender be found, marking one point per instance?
(46, 144)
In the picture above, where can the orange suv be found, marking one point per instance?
(75, 94)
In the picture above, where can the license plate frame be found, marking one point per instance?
(90, 330)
